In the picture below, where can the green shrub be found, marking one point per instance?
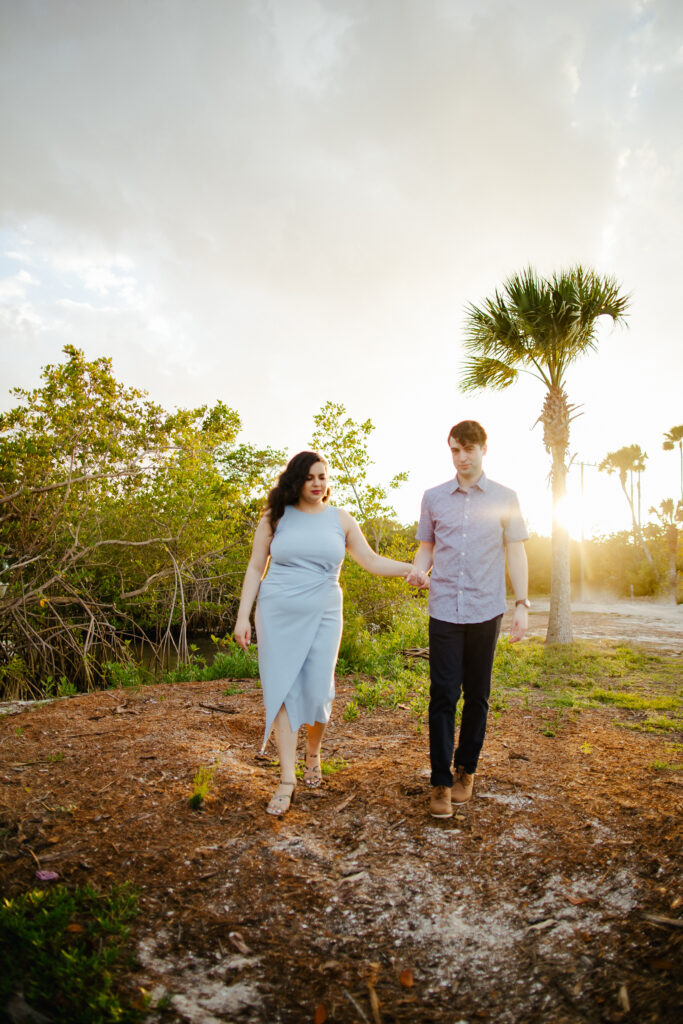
(61, 948)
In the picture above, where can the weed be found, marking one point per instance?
(351, 711)
(586, 748)
(61, 948)
(201, 785)
(553, 726)
(231, 691)
(54, 757)
(666, 766)
(18, 731)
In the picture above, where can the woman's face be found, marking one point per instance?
(315, 485)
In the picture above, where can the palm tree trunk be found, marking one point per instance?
(560, 617)
(638, 537)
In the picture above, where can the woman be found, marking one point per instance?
(299, 610)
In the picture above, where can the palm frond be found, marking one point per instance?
(485, 372)
(541, 325)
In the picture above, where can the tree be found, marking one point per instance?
(628, 461)
(541, 326)
(118, 521)
(672, 438)
(344, 444)
(669, 519)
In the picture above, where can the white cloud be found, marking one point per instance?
(276, 204)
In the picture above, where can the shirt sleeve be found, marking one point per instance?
(514, 527)
(425, 528)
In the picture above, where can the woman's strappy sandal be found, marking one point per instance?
(313, 775)
(281, 799)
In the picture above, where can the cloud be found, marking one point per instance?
(278, 204)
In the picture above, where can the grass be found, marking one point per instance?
(590, 675)
(61, 947)
(560, 678)
(201, 784)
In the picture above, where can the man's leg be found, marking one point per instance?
(479, 650)
(445, 670)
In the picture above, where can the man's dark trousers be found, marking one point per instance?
(460, 661)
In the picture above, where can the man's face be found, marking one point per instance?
(467, 459)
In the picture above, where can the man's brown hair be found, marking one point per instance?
(468, 432)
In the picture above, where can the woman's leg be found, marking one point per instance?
(314, 737)
(285, 739)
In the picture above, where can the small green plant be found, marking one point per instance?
(201, 785)
(553, 725)
(62, 688)
(54, 758)
(666, 766)
(18, 731)
(351, 711)
(231, 691)
(66, 688)
(62, 949)
(586, 748)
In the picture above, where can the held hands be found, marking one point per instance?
(243, 632)
(417, 578)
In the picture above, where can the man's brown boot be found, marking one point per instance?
(462, 787)
(440, 802)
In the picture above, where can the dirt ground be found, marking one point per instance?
(555, 896)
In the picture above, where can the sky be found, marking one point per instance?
(275, 203)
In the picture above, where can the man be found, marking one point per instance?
(468, 526)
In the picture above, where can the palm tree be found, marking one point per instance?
(672, 438)
(629, 460)
(541, 326)
(669, 518)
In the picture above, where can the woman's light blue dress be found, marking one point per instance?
(299, 616)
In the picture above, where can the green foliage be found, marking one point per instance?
(121, 521)
(126, 675)
(62, 949)
(538, 325)
(231, 664)
(343, 442)
(374, 652)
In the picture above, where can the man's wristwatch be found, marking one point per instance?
(525, 601)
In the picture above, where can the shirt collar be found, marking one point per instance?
(482, 483)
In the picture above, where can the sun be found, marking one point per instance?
(600, 510)
(569, 512)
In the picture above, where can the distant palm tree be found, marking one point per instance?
(625, 461)
(669, 518)
(541, 326)
(672, 438)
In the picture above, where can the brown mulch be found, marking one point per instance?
(554, 896)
